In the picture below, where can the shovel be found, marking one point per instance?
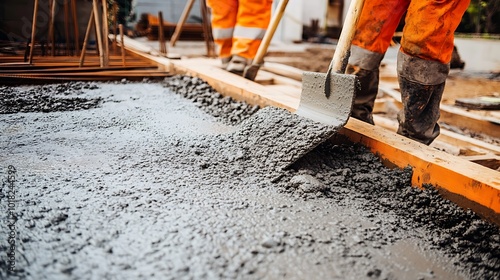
(250, 71)
(328, 97)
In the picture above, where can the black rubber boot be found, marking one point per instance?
(420, 114)
(365, 65)
(422, 84)
(365, 94)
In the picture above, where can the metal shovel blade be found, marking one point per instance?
(334, 109)
(250, 71)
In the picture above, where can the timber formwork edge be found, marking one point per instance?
(467, 184)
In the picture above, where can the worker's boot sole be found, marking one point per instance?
(237, 65)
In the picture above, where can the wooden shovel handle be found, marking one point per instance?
(33, 31)
(180, 23)
(275, 20)
(341, 55)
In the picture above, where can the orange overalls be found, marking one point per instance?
(238, 26)
(422, 61)
(428, 30)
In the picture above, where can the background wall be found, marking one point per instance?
(171, 9)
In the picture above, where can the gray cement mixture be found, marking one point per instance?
(173, 181)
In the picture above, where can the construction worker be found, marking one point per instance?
(238, 27)
(422, 62)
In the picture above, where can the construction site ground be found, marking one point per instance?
(460, 84)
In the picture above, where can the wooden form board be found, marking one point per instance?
(236, 86)
(446, 136)
(456, 116)
(468, 184)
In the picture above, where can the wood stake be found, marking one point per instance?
(161, 35)
(51, 27)
(115, 25)
(105, 33)
(98, 31)
(75, 26)
(87, 35)
(122, 43)
(180, 24)
(207, 29)
(33, 31)
(49, 39)
(66, 27)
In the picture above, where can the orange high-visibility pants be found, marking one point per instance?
(238, 26)
(428, 30)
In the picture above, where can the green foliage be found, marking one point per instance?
(482, 16)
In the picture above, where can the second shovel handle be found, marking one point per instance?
(339, 60)
(268, 36)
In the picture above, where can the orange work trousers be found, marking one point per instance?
(428, 30)
(238, 26)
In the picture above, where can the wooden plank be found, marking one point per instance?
(281, 80)
(286, 90)
(233, 85)
(479, 103)
(283, 70)
(446, 136)
(456, 116)
(264, 78)
(459, 140)
(492, 162)
(464, 119)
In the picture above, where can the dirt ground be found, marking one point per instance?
(169, 181)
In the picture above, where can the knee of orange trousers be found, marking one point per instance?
(254, 13)
(246, 48)
(224, 13)
(429, 29)
(377, 24)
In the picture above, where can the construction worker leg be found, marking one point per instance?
(223, 22)
(430, 27)
(377, 24)
(252, 21)
(423, 64)
(422, 85)
(373, 36)
(365, 65)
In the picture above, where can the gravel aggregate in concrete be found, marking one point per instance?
(47, 98)
(148, 186)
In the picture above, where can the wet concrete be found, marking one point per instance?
(47, 98)
(147, 185)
